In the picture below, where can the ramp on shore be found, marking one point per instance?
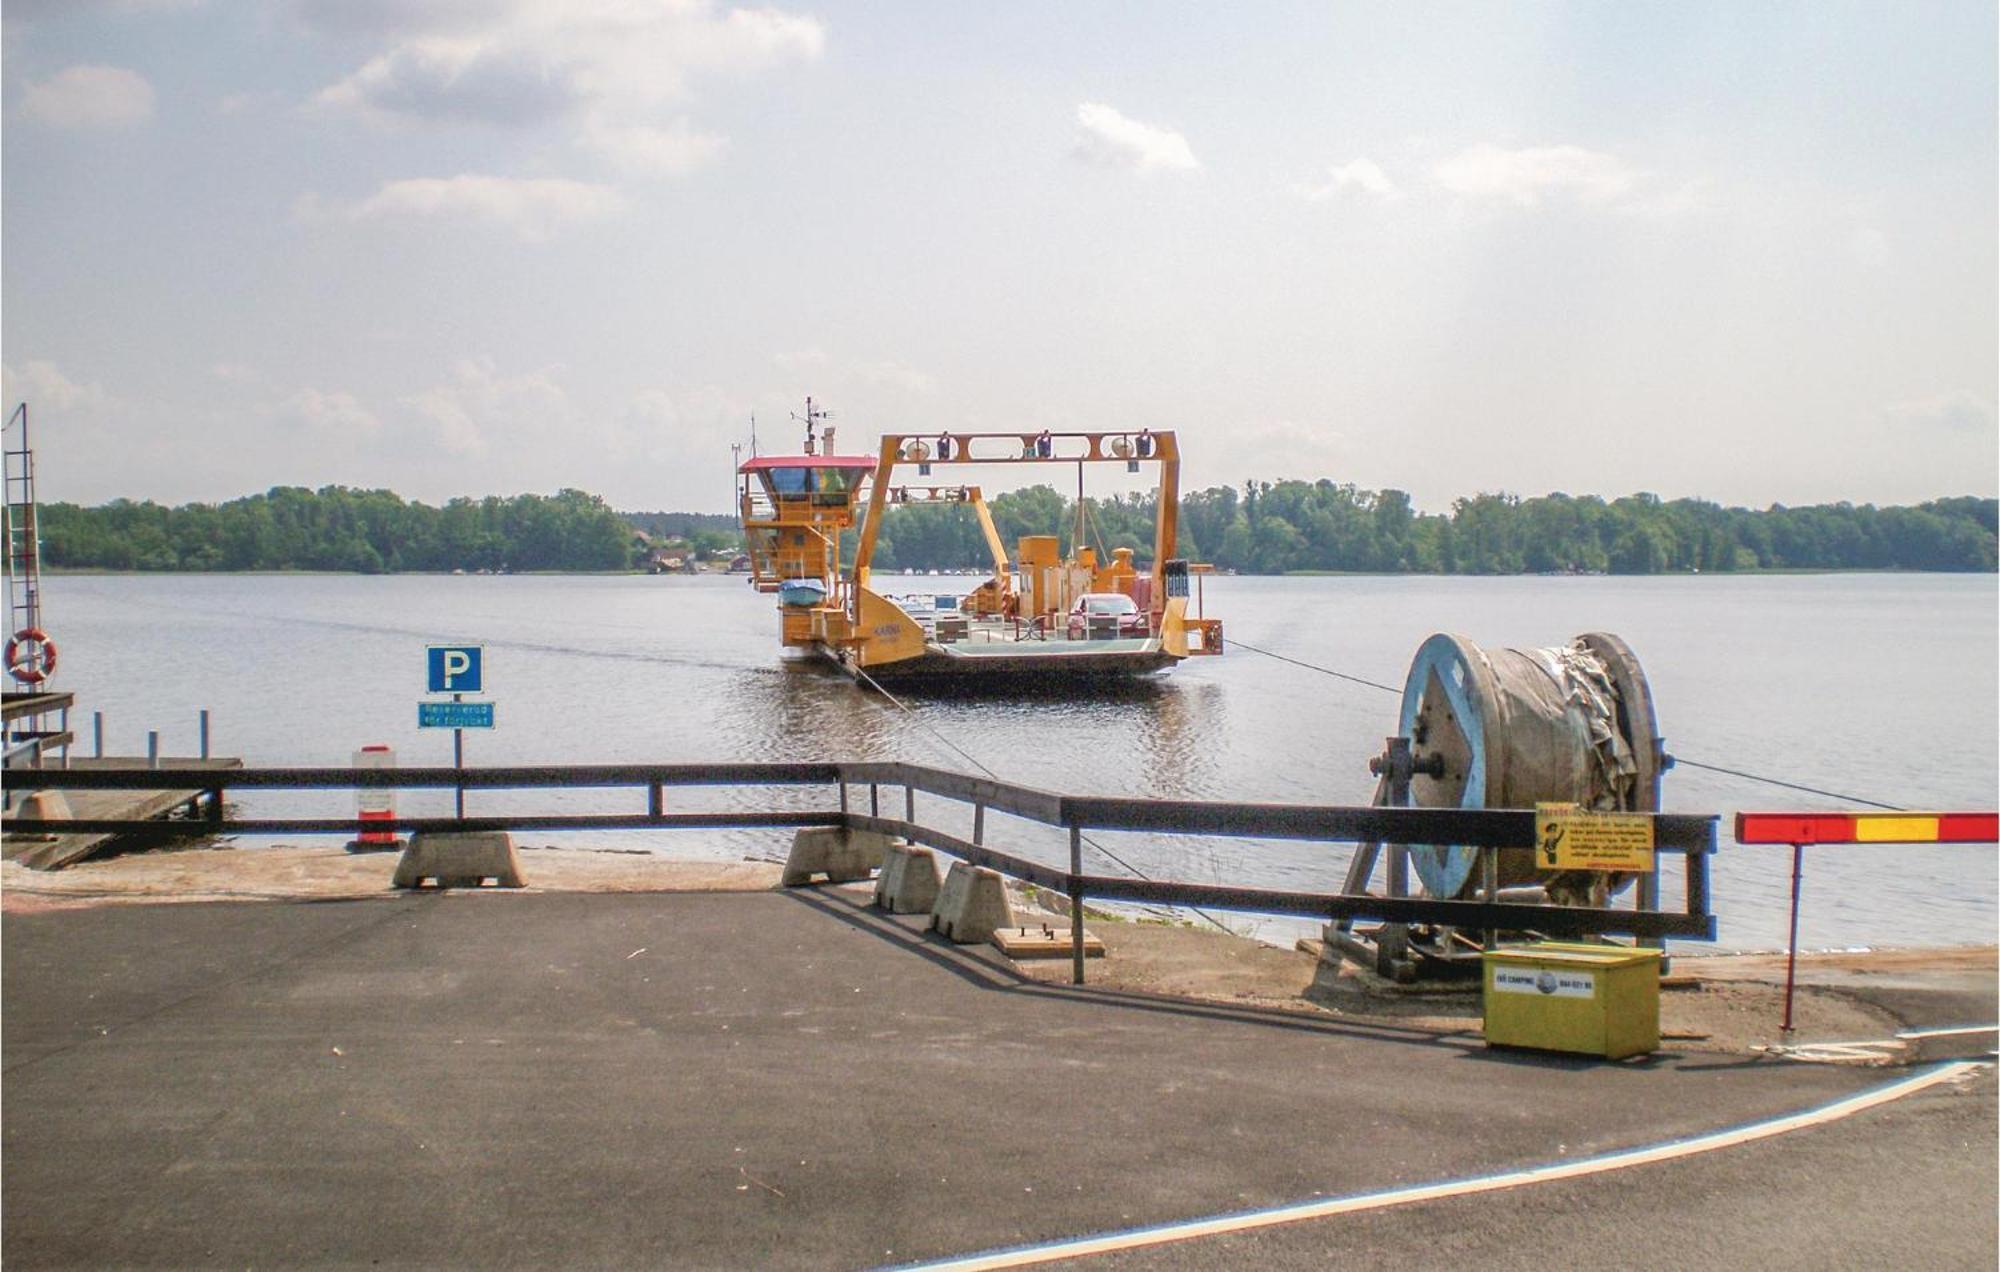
(55, 852)
(759, 1079)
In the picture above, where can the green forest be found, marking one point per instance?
(1260, 528)
(1297, 526)
(335, 528)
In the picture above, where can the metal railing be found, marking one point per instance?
(28, 740)
(1692, 836)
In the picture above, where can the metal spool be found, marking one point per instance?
(1510, 728)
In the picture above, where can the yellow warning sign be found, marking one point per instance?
(1572, 838)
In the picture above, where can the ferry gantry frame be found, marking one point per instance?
(1041, 616)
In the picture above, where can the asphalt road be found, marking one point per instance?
(757, 1079)
(1911, 1184)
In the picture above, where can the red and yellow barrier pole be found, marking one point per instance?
(1800, 829)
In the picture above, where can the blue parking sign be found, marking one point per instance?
(455, 669)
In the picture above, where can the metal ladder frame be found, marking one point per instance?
(24, 544)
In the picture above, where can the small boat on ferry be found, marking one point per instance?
(802, 593)
(1040, 616)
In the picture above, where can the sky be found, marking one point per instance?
(1741, 252)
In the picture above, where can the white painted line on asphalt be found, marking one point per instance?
(1874, 1051)
(1139, 1238)
(1954, 1032)
(1870, 1051)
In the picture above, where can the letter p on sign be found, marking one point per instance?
(455, 669)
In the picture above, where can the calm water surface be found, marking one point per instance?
(1878, 686)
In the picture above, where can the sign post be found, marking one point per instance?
(456, 670)
(458, 763)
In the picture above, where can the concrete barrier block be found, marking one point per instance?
(972, 905)
(42, 806)
(459, 859)
(909, 880)
(842, 855)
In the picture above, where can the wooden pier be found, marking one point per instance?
(27, 715)
(54, 852)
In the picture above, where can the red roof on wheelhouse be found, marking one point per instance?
(763, 462)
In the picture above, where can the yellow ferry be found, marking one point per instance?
(1041, 616)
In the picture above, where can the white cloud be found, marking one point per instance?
(1363, 175)
(479, 410)
(663, 427)
(1870, 247)
(247, 103)
(891, 374)
(1949, 412)
(1308, 447)
(654, 410)
(380, 19)
(613, 68)
(836, 373)
(531, 208)
(339, 414)
(1661, 202)
(85, 435)
(1527, 175)
(803, 359)
(90, 97)
(35, 10)
(43, 387)
(234, 373)
(454, 81)
(1111, 140)
(673, 151)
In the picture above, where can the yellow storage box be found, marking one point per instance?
(1596, 1000)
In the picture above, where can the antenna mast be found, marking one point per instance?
(815, 415)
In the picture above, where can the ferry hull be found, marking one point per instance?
(1052, 664)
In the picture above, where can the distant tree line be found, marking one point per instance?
(335, 528)
(1288, 526)
(683, 525)
(1261, 528)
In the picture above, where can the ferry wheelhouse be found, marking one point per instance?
(1041, 615)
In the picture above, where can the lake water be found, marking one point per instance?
(1876, 686)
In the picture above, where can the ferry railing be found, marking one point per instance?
(1490, 830)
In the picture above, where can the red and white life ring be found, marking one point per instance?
(31, 656)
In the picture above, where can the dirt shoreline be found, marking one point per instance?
(1722, 1002)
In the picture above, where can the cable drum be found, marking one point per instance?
(1511, 728)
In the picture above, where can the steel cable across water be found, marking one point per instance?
(1675, 759)
(973, 760)
(969, 758)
